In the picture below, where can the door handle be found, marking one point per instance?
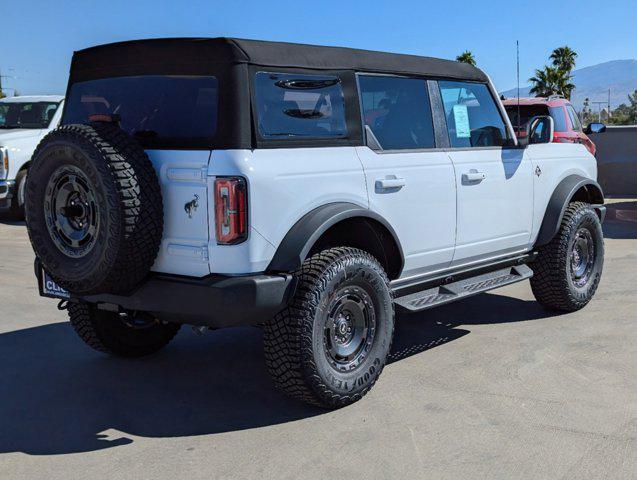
(473, 176)
(390, 183)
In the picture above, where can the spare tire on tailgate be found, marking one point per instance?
(94, 208)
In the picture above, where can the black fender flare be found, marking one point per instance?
(298, 242)
(562, 195)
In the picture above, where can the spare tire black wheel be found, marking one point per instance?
(94, 208)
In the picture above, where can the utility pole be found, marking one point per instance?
(609, 105)
(599, 110)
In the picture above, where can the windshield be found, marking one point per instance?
(27, 114)
(159, 111)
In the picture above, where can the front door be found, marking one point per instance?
(494, 182)
(409, 182)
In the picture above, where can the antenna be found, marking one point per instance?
(517, 48)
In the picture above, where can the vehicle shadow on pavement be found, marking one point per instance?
(58, 396)
(418, 332)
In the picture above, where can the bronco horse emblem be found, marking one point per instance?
(191, 206)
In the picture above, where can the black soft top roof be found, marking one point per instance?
(195, 55)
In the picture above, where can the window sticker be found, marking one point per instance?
(461, 117)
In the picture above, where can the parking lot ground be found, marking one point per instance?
(491, 387)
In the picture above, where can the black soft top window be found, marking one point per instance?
(291, 105)
(160, 111)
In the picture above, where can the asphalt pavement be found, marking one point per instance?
(491, 387)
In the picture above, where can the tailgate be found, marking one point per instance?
(184, 245)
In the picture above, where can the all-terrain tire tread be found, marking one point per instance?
(550, 281)
(82, 317)
(136, 209)
(289, 360)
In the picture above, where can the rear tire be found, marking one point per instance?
(120, 335)
(329, 346)
(567, 270)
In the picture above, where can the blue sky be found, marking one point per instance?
(37, 38)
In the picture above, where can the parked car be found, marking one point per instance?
(568, 127)
(224, 182)
(23, 123)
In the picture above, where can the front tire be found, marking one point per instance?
(118, 334)
(329, 346)
(567, 270)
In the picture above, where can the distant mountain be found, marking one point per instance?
(593, 82)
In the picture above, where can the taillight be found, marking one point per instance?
(231, 213)
(557, 139)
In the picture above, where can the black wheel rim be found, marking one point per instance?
(350, 328)
(70, 210)
(582, 258)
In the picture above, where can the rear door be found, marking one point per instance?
(494, 182)
(409, 181)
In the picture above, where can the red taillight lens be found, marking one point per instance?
(558, 139)
(231, 213)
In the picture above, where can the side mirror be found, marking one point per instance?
(595, 128)
(540, 130)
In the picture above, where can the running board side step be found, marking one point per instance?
(432, 297)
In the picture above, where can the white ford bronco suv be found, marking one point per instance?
(23, 123)
(313, 190)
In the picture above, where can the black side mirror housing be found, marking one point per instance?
(595, 128)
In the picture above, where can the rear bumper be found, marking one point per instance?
(7, 188)
(214, 301)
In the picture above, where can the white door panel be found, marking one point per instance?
(415, 192)
(495, 202)
(184, 245)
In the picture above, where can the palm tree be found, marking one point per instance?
(466, 57)
(544, 82)
(564, 58)
(552, 81)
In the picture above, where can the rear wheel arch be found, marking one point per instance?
(573, 188)
(340, 224)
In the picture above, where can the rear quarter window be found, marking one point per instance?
(577, 125)
(293, 105)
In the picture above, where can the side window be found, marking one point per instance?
(397, 111)
(559, 119)
(577, 125)
(473, 118)
(291, 105)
